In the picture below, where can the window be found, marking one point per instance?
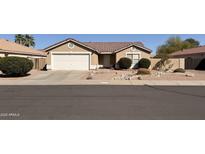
(70, 45)
(134, 57)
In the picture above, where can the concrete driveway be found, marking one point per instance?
(59, 75)
(46, 78)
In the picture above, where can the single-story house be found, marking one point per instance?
(192, 56)
(71, 54)
(9, 48)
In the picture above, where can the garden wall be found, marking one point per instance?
(176, 62)
(39, 63)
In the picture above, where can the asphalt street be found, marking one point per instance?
(102, 102)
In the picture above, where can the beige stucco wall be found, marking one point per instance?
(123, 53)
(38, 63)
(2, 55)
(77, 48)
(177, 62)
(193, 60)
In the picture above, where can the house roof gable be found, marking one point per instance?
(102, 47)
(66, 41)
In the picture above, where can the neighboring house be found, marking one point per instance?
(71, 54)
(8, 48)
(192, 56)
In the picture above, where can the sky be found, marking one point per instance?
(151, 41)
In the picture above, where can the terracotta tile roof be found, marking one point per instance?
(111, 46)
(101, 47)
(14, 48)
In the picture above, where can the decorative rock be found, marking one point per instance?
(189, 75)
(132, 77)
(169, 71)
(127, 78)
(122, 75)
(139, 78)
(89, 77)
(158, 74)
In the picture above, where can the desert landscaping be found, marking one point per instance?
(131, 74)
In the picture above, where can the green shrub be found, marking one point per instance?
(15, 66)
(179, 70)
(125, 63)
(144, 63)
(143, 71)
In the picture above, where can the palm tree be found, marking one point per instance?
(26, 40)
(19, 38)
(29, 41)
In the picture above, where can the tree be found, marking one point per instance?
(26, 40)
(174, 44)
(19, 38)
(29, 41)
(171, 45)
(193, 43)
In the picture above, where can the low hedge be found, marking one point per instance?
(15, 66)
(125, 63)
(143, 71)
(179, 70)
(144, 63)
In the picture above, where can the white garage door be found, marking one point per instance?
(70, 61)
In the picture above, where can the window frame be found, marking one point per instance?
(132, 55)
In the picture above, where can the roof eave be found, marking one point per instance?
(21, 53)
(106, 53)
(131, 46)
(68, 40)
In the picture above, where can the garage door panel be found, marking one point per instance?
(71, 61)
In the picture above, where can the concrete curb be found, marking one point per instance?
(107, 82)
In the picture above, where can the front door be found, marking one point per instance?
(106, 60)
